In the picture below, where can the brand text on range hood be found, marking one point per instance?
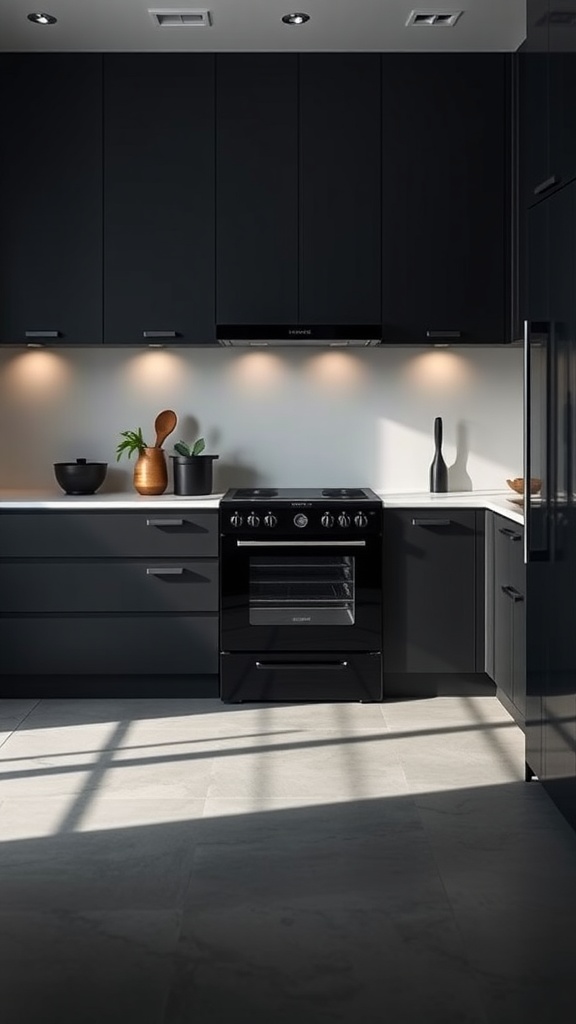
(298, 335)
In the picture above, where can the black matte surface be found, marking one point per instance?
(159, 208)
(51, 196)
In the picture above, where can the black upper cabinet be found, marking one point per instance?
(340, 194)
(159, 198)
(50, 198)
(298, 189)
(547, 98)
(534, 80)
(257, 188)
(445, 160)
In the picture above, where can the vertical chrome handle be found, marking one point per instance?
(526, 455)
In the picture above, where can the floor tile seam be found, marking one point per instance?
(11, 732)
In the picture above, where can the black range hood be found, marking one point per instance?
(298, 335)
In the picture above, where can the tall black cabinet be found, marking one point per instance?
(298, 188)
(158, 198)
(550, 523)
(446, 230)
(51, 198)
(257, 188)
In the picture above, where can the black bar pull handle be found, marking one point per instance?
(42, 334)
(443, 334)
(169, 571)
(159, 334)
(286, 665)
(546, 184)
(513, 593)
(511, 534)
(164, 522)
(431, 522)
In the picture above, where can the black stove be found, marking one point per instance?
(299, 511)
(301, 594)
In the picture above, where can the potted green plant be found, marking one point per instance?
(150, 472)
(192, 469)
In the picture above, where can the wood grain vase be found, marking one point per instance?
(150, 472)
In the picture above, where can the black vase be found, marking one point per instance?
(438, 469)
(192, 473)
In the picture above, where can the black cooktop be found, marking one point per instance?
(300, 494)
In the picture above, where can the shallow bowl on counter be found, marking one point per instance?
(517, 484)
(80, 477)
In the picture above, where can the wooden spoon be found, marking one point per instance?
(164, 424)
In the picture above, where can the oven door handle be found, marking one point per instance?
(288, 665)
(300, 543)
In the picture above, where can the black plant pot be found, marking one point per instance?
(192, 473)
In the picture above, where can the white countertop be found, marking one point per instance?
(496, 501)
(48, 499)
(502, 502)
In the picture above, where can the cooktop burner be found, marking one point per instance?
(255, 492)
(344, 492)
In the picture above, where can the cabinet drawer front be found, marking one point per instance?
(109, 586)
(107, 645)
(147, 534)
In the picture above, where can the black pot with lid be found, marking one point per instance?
(80, 477)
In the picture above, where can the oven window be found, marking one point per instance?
(294, 591)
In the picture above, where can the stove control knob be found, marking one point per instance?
(344, 519)
(235, 519)
(301, 520)
(360, 520)
(270, 520)
(253, 519)
(327, 520)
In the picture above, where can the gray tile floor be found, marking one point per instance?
(186, 862)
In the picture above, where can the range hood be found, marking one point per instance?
(298, 335)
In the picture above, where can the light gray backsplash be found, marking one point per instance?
(285, 417)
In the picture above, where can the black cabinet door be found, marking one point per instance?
(430, 592)
(509, 611)
(534, 97)
(257, 188)
(50, 198)
(159, 198)
(340, 174)
(445, 222)
(562, 91)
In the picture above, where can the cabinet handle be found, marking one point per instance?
(509, 533)
(431, 522)
(159, 334)
(443, 334)
(41, 334)
(164, 522)
(170, 571)
(513, 593)
(545, 185)
(286, 665)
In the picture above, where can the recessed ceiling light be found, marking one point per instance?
(295, 19)
(42, 19)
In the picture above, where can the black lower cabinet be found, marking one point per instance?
(109, 603)
(434, 603)
(505, 613)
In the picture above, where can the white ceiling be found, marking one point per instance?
(345, 25)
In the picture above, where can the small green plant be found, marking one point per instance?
(133, 442)
(190, 449)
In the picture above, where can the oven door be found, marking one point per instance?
(301, 595)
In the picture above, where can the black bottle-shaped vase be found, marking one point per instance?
(438, 469)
